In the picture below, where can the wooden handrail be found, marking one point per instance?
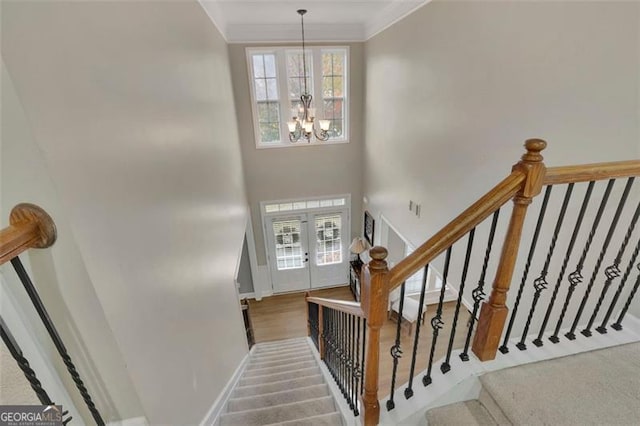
(347, 307)
(589, 172)
(29, 227)
(457, 228)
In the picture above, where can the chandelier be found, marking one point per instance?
(304, 124)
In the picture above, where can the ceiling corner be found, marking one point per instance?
(391, 14)
(214, 13)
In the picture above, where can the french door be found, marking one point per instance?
(308, 250)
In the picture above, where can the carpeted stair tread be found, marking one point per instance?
(281, 343)
(266, 364)
(331, 419)
(278, 377)
(277, 398)
(280, 355)
(467, 413)
(279, 413)
(263, 349)
(299, 382)
(280, 368)
(597, 387)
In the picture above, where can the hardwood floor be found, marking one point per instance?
(284, 317)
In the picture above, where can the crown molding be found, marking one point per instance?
(390, 15)
(278, 33)
(317, 32)
(214, 13)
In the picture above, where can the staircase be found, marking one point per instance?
(597, 387)
(282, 385)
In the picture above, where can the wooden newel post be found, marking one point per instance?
(493, 314)
(374, 300)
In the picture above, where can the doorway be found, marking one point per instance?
(307, 248)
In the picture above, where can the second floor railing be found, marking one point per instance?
(583, 239)
(31, 227)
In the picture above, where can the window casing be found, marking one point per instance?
(276, 82)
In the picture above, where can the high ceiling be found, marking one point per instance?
(327, 20)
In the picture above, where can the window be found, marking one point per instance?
(328, 240)
(288, 244)
(277, 81)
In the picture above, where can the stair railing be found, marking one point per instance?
(338, 330)
(486, 321)
(31, 227)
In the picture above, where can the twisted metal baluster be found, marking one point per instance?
(575, 277)
(352, 365)
(396, 351)
(478, 293)
(436, 321)
(356, 370)
(602, 329)
(408, 392)
(343, 372)
(364, 347)
(612, 272)
(534, 242)
(603, 251)
(446, 367)
(57, 341)
(565, 203)
(540, 283)
(618, 324)
(23, 363)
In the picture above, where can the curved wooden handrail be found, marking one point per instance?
(29, 227)
(457, 228)
(352, 308)
(589, 172)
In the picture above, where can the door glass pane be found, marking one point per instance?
(328, 239)
(288, 244)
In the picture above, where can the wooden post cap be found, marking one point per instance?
(378, 255)
(534, 147)
(26, 212)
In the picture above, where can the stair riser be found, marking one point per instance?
(278, 386)
(333, 419)
(286, 397)
(280, 413)
(288, 352)
(280, 348)
(269, 364)
(279, 369)
(278, 377)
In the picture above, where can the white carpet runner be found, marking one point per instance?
(593, 388)
(282, 385)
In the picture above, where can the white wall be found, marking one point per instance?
(453, 90)
(299, 172)
(130, 104)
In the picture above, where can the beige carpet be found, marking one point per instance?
(282, 385)
(593, 388)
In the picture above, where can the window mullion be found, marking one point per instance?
(283, 92)
(317, 83)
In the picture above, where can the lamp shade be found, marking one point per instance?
(358, 245)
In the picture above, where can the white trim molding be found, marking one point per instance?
(217, 409)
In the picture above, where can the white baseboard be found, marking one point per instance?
(217, 408)
(134, 421)
(247, 296)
